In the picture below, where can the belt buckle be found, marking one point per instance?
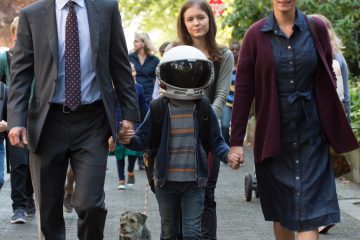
(66, 109)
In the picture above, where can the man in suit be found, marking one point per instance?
(69, 67)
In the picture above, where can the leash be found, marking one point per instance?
(146, 199)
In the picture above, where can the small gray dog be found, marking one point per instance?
(133, 227)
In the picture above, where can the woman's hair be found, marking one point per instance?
(336, 43)
(14, 25)
(148, 46)
(184, 36)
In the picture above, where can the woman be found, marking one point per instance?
(145, 63)
(196, 26)
(287, 69)
(339, 65)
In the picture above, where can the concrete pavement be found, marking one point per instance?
(237, 219)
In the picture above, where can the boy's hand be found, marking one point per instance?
(3, 126)
(126, 134)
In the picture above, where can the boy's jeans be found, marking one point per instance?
(2, 154)
(191, 199)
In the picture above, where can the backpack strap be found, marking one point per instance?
(157, 108)
(203, 106)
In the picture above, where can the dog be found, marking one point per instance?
(133, 227)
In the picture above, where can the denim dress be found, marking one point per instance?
(297, 187)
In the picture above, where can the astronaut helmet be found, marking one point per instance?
(184, 73)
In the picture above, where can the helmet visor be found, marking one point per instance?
(186, 73)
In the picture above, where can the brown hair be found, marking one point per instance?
(184, 36)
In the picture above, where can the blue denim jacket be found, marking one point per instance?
(217, 146)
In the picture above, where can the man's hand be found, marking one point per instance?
(18, 137)
(126, 132)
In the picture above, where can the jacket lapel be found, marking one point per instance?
(93, 16)
(51, 29)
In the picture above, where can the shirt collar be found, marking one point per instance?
(271, 25)
(60, 4)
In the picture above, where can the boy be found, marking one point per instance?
(181, 167)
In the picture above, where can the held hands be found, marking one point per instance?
(126, 132)
(236, 157)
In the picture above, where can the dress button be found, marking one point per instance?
(297, 177)
(297, 161)
(289, 47)
(290, 63)
(292, 81)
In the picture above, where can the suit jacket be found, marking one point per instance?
(256, 78)
(36, 59)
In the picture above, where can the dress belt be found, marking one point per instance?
(302, 96)
(82, 108)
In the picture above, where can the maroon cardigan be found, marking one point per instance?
(256, 77)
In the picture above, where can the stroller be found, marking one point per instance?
(250, 185)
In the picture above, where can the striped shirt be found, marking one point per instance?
(182, 144)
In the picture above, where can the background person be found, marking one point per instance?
(226, 114)
(339, 65)
(196, 27)
(288, 72)
(145, 64)
(122, 152)
(20, 179)
(156, 92)
(78, 75)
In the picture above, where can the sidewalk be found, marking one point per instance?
(237, 219)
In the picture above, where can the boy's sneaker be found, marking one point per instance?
(131, 179)
(121, 185)
(66, 204)
(30, 207)
(18, 216)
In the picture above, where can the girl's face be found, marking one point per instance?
(284, 6)
(196, 22)
(138, 44)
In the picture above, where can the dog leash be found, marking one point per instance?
(146, 199)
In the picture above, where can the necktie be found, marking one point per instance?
(72, 60)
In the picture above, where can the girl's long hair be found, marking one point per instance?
(184, 37)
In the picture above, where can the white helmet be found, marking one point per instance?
(184, 73)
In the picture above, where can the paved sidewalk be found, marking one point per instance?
(237, 219)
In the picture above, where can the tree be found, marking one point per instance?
(8, 10)
(344, 14)
(161, 17)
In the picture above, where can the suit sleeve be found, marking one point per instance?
(21, 75)
(120, 70)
